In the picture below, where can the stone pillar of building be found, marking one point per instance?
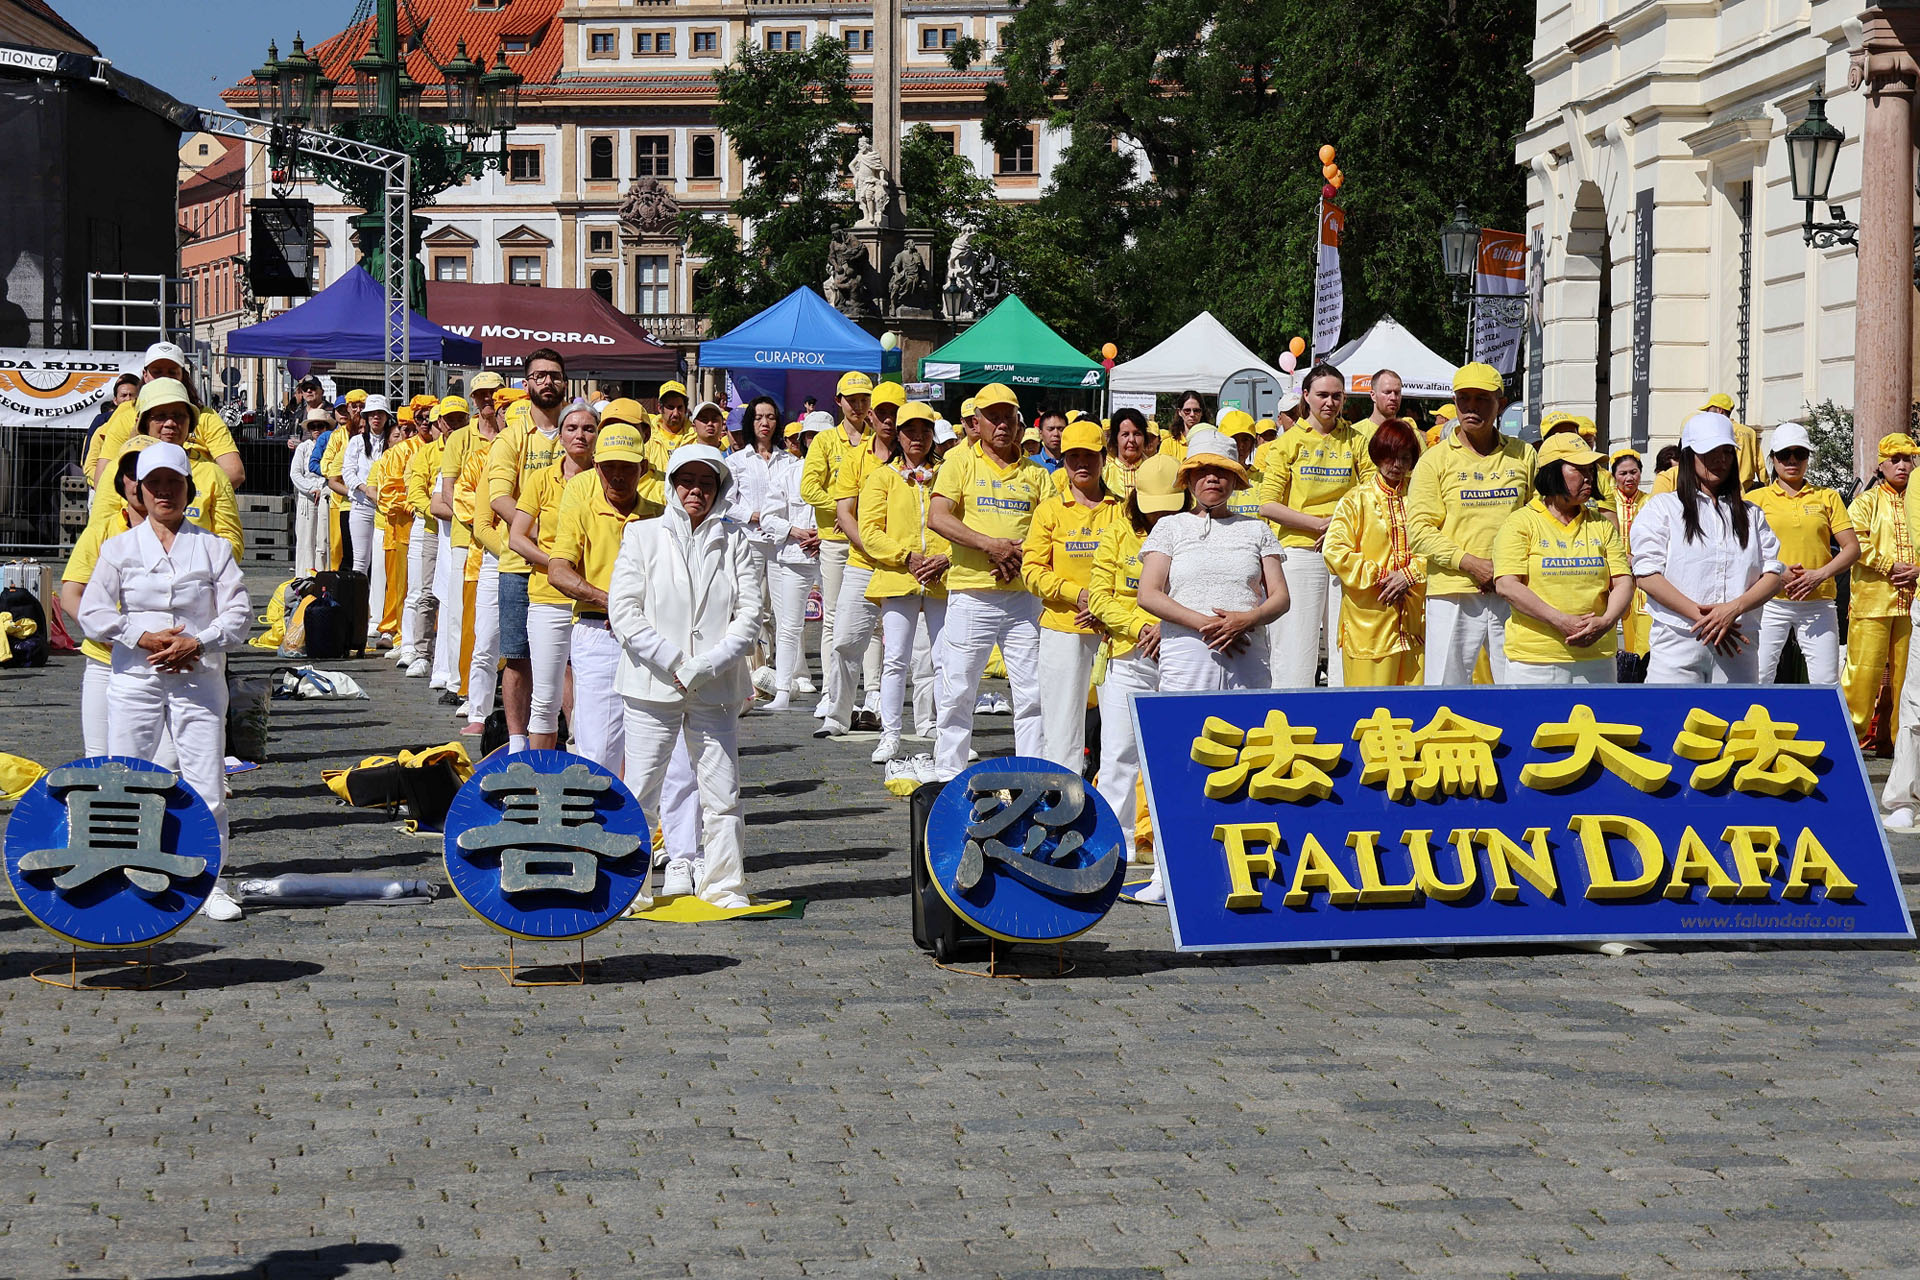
(887, 36)
(1884, 69)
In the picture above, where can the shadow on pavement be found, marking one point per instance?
(329, 1263)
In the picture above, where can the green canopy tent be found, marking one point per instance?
(1010, 344)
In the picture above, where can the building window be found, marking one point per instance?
(523, 164)
(652, 286)
(513, 44)
(706, 44)
(486, 4)
(601, 282)
(450, 268)
(705, 162)
(524, 269)
(651, 152)
(1017, 158)
(936, 38)
(1744, 338)
(859, 39)
(651, 43)
(204, 149)
(791, 39)
(951, 136)
(599, 241)
(600, 158)
(603, 44)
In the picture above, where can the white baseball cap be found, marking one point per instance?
(377, 404)
(162, 457)
(164, 351)
(943, 432)
(1706, 432)
(1788, 435)
(705, 405)
(818, 420)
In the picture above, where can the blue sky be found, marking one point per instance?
(195, 48)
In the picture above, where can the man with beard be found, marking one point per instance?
(517, 454)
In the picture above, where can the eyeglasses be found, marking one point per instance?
(544, 376)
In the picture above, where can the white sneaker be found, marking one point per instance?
(678, 880)
(730, 902)
(419, 667)
(1001, 707)
(1900, 819)
(830, 728)
(1152, 891)
(897, 769)
(220, 905)
(889, 748)
(983, 705)
(763, 679)
(782, 701)
(439, 682)
(802, 684)
(460, 710)
(924, 769)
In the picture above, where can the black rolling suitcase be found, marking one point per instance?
(936, 927)
(326, 624)
(348, 589)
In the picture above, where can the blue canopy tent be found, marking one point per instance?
(347, 320)
(797, 347)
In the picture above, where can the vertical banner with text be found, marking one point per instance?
(1329, 297)
(1500, 269)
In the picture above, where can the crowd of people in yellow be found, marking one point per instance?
(631, 581)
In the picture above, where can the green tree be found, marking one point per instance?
(942, 190)
(788, 117)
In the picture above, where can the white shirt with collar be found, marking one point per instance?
(138, 586)
(1712, 569)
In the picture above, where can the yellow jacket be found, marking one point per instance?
(423, 477)
(1057, 559)
(472, 508)
(1366, 540)
(893, 522)
(1119, 478)
(388, 480)
(517, 454)
(1457, 501)
(856, 466)
(81, 564)
(820, 475)
(1880, 521)
(1113, 588)
(660, 446)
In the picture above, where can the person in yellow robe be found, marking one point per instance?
(1629, 499)
(1383, 605)
(1879, 609)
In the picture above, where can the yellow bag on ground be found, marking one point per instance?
(17, 774)
(374, 781)
(274, 619)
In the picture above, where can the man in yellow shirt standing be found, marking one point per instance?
(671, 428)
(1463, 490)
(517, 454)
(983, 504)
(819, 485)
(426, 550)
(449, 579)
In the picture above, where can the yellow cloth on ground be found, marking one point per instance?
(1571, 567)
(1805, 523)
(1366, 540)
(1457, 501)
(17, 774)
(11, 629)
(689, 908)
(274, 620)
(1310, 472)
(1057, 564)
(993, 500)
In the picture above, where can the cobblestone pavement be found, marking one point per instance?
(328, 1094)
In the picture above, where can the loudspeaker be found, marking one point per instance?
(281, 264)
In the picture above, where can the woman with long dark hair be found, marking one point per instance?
(1189, 411)
(363, 450)
(1708, 561)
(755, 466)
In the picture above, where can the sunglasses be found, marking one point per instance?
(1793, 455)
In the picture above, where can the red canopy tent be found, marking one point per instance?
(512, 321)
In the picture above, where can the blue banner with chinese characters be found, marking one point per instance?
(1357, 817)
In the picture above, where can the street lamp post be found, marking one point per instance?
(1813, 146)
(1459, 254)
(384, 110)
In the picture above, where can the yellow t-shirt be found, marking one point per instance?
(1366, 540)
(540, 498)
(214, 508)
(820, 475)
(209, 432)
(517, 454)
(1805, 523)
(80, 566)
(1880, 520)
(893, 523)
(587, 530)
(1058, 561)
(856, 467)
(453, 461)
(992, 500)
(660, 446)
(1113, 587)
(1310, 472)
(1569, 566)
(333, 466)
(423, 479)
(1457, 502)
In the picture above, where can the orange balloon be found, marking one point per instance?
(1298, 346)
(1328, 170)
(1109, 351)
(1337, 180)
(1327, 154)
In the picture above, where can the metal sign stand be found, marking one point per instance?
(152, 976)
(510, 970)
(1062, 967)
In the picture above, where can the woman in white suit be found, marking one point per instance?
(686, 605)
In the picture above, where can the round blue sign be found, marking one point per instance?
(546, 845)
(110, 851)
(1025, 850)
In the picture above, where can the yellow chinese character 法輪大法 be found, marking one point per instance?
(1276, 761)
(1450, 755)
(1587, 740)
(1771, 760)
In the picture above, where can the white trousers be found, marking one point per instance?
(1186, 664)
(370, 560)
(1815, 624)
(1312, 616)
(855, 619)
(1066, 673)
(1675, 657)
(309, 535)
(449, 587)
(549, 639)
(599, 727)
(833, 566)
(680, 806)
(789, 585)
(907, 621)
(976, 622)
(1119, 749)
(143, 708)
(94, 735)
(1458, 628)
(1903, 776)
(485, 667)
(423, 584)
(709, 733)
(1593, 671)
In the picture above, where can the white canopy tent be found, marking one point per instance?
(1388, 345)
(1200, 356)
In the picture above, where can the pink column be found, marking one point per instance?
(1885, 71)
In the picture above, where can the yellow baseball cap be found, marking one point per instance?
(995, 393)
(1266, 425)
(619, 440)
(356, 396)
(967, 407)
(1567, 446)
(486, 382)
(1558, 420)
(1624, 451)
(622, 410)
(1446, 413)
(1721, 401)
(672, 389)
(1237, 422)
(1030, 436)
(1156, 485)
(854, 383)
(453, 404)
(914, 411)
(1891, 446)
(1478, 377)
(1083, 433)
(886, 393)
